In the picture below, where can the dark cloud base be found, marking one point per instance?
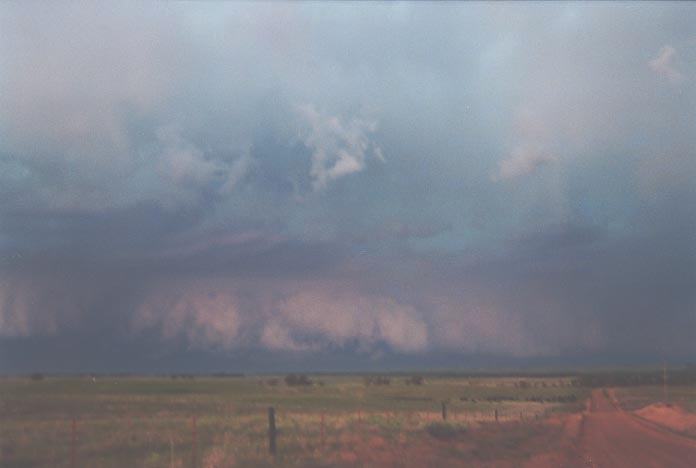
(80, 354)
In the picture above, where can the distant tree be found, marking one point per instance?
(415, 380)
(377, 380)
(36, 376)
(295, 380)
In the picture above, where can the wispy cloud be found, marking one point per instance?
(665, 65)
(339, 147)
(523, 160)
(187, 167)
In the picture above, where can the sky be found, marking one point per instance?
(265, 186)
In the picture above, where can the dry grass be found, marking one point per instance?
(148, 422)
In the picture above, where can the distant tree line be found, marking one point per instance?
(377, 380)
(297, 380)
(182, 376)
(683, 376)
(215, 375)
(571, 398)
(415, 380)
(543, 384)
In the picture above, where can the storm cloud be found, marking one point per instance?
(360, 181)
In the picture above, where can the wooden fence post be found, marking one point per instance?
(322, 430)
(195, 444)
(73, 440)
(271, 431)
(444, 411)
(496, 415)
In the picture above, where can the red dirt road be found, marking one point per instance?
(613, 438)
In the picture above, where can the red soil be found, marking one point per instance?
(673, 417)
(614, 438)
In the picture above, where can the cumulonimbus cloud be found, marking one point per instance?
(158, 141)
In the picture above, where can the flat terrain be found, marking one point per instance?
(337, 421)
(342, 421)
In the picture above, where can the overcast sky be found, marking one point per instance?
(229, 186)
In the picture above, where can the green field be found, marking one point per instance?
(149, 422)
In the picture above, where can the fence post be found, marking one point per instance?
(195, 443)
(73, 440)
(496, 415)
(322, 429)
(444, 411)
(271, 431)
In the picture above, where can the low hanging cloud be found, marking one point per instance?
(665, 66)
(339, 147)
(205, 317)
(18, 314)
(47, 303)
(219, 314)
(490, 325)
(316, 319)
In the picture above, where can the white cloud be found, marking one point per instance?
(664, 65)
(205, 316)
(310, 316)
(339, 147)
(315, 318)
(182, 162)
(524, 160)
(185, 165)
(277, 336)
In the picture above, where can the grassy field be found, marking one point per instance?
(149, 422)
